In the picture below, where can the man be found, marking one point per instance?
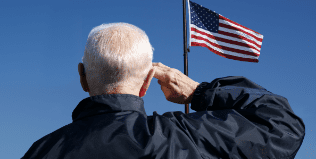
(235, 119)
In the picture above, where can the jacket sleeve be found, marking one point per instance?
(240, 119)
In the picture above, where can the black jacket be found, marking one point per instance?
(242, 121)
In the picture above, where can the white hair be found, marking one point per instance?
(116, 54)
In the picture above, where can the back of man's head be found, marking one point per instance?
(116, 55)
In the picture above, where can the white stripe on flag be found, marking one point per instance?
(240, 33)
(225, 44)
(246, 30)
(225, 37)
(225, 51)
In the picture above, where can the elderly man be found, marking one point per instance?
(235, 119)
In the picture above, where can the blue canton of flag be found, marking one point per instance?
(223, 36)
(204, 18)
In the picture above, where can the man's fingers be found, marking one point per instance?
(159, 64)
(161, 72)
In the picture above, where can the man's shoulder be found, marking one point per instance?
(52, 136)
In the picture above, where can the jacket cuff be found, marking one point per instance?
(198, 100)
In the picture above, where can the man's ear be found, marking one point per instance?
(83, 79)
(147, 82)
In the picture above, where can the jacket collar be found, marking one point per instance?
(108, 103)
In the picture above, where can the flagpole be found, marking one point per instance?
(185, 54)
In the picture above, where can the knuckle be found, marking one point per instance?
(177, 71)
(169, 76)
(174, 70)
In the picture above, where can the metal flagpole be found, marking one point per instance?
(185, 54)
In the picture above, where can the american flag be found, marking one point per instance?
(223, 36)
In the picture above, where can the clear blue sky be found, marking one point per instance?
(41, 44)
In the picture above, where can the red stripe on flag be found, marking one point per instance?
(224, 55)
(237, 29)
(239, 37)
(225, 40)
(225, 47)
(224, 18)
